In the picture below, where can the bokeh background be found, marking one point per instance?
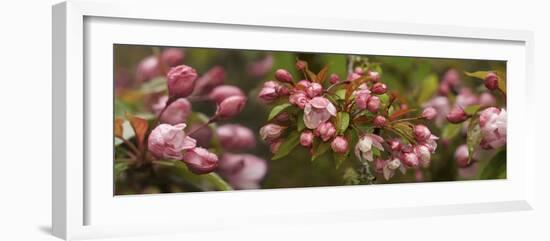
(416, 78)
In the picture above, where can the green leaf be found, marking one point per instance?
(471, 110)
(473, 138)
(197, 180)
(343, 122)
(351, 177)
(341, 93)
(319, 150)
(290, 142)
(405, 130)
(156, 85)
(450, 131)
(478, 74)
(428, 88)
(482, 74)
(278, 109)
(339, 158)
(120, 167)
(384, 99)
(496, 168)
(300, 122)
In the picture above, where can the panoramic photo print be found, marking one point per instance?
(192, 119)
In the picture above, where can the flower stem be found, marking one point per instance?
(338, 83)
(407, 119)
(210, 121)
(129, 144)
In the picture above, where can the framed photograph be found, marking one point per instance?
(165, 123)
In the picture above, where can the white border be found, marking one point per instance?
(68, 203)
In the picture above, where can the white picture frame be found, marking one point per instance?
(84, 208)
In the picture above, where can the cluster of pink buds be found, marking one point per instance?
(169, 140)
(472, 111)
(332, 111)
(153, 66)
(403, 155)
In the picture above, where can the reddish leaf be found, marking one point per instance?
(399, 113)
(140, 127)
(322, 75)
(354, 85)
(312, 77)
(118, 127)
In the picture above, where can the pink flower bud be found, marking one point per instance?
(315, 89)
(362, 98)
(353, 76)
(283, 75)
(373, 104)
(451, 78)
(181, 81)
(444, 89)
(358, 70)
(260, 67)
(148, 68)
(334, 78)
(457, 115)
(168, 141)
(491, 81)
(271, 132)
(395, 145)
(203, 134)
(410, 159)
(493, 128)
(282, 117)
(283, 90)
(221, 92)
(200, 161)
(175, 113)
(461, 156)
(379, 164)
(431, 143)
(299, 99)
(487, 99)
(268, 93)
(301, 65)
(379, 121)
(275, 145)
(235, 137)
(423, 154)
(379, 88)
(209, 80)
(407, 148)
(325, 130)
(429, 113)
(230, 107)
(306, 138)
(339, 145)
(466, 97)
(374, 76)
(172, 57)
(421, 132)
(243, 171)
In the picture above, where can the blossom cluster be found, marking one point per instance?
(472, 111)
(355, 113)
(173, 137)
